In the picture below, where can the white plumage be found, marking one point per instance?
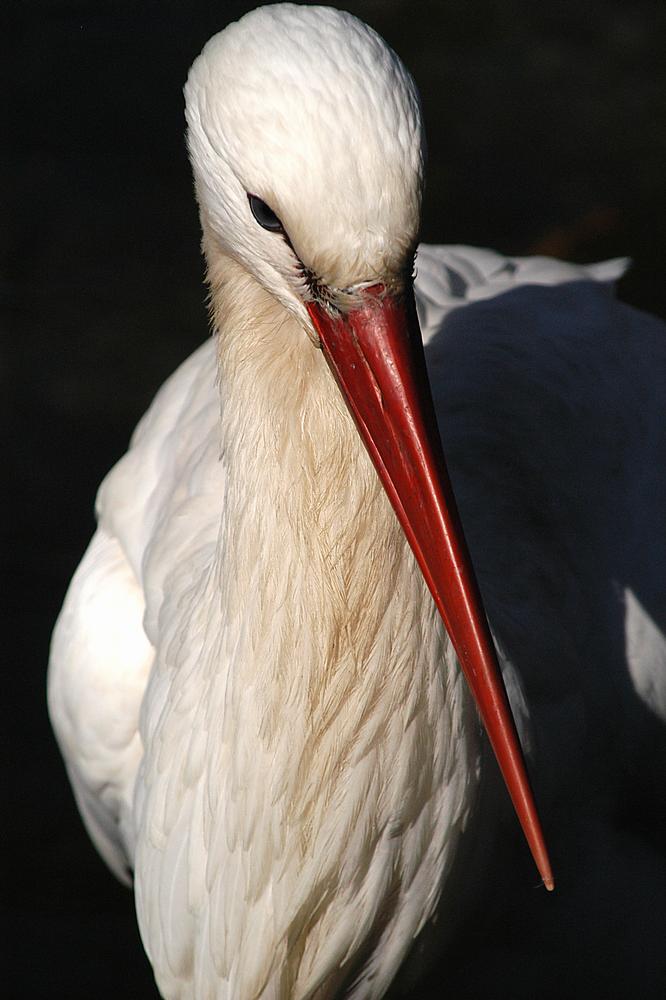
(259, 709)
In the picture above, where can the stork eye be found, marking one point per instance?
(264, 215)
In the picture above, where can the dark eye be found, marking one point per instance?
(264, 215)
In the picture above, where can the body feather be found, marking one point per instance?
(292, 702)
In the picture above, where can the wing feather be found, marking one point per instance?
(100, 661)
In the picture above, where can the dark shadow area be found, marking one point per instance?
(556, 489)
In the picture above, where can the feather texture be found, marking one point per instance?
(258, 707)
(335, 674)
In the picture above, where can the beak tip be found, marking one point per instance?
(545, 871)
(534, 835)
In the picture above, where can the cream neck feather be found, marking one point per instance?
(312, 555)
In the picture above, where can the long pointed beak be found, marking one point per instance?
(375, 352)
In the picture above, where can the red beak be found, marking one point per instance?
(375, 352)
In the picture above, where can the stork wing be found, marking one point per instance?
(100, 660)
(448, 277)
(101, 653)
(549, 397)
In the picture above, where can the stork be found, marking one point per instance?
(260, 709)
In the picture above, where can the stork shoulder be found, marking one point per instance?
(99, 665)
(163, 498)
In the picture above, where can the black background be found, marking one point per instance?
(547, 132)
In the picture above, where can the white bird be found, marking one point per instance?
(261, 714)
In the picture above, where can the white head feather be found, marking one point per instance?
(308, 109)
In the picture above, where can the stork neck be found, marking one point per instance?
(314, 562)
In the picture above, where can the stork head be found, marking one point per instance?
(306, 141)
(307, 111)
